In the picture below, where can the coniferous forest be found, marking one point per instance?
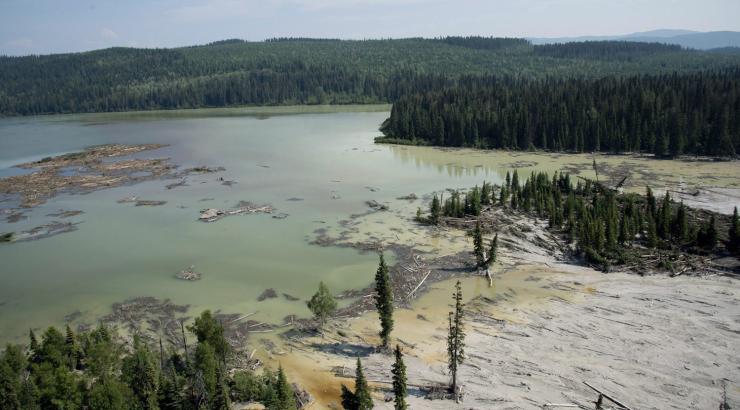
(312, 71)
(665, 114)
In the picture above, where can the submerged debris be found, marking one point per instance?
(267, 294)
(65, 214)
(140, 202)
(188, 274)
(176, 184)
(14, 215)
(410, 197)
(46, 230)
(376, 205)
(6, 237)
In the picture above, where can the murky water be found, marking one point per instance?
(327, 160)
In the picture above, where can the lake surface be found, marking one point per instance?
(326, 159)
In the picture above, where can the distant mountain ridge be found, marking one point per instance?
(684, 38)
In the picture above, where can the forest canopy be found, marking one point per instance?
(666, 114)
(311, 71)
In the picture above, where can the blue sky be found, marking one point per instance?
(53, 26)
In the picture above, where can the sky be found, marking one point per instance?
(56, 26)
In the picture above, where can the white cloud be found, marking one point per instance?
(108, 34)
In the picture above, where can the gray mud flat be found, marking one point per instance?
(651, 343)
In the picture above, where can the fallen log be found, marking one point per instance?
(420, 283)
(606, 396)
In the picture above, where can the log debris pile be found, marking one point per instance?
(242, 208)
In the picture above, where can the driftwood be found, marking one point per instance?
(606, 396)
(420, 283)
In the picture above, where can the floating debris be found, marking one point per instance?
(228, 182)
(290, 297)
(243, 207)
(280, 216)
(150, 203)
(176, 184)
(140, 202)
(14, 215)
(188, 274)
(410, 197)
(45, 231)
(65, 214)
(6, 237)
(204, 169)
(267, 294)
(294, 199)
(376, 205)
(372, 189)
(127, 199)
(82, 172)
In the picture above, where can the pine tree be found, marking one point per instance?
(33, 347)
(360, 399)
(492, 251)
(72, 350)
(285, 396)
(220, 400)
(478, 245)
(384, 301)
(680, 228)
(734, 234)
(399, 381)
(435, 210)
(140, 373)
(652, 232)
(707, 237)
(456, 337)
(322, 304)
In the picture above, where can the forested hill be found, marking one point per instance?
(668, 114)
(309, 71)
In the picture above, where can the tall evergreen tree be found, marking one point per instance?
(285, 396)
(384, 301)
(733, 234)
(140, 373)
(478, 251)
(435, 210)
(493, 250)
(399, 381)
(360, 399)
(456, 337)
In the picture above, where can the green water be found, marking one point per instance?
(121, 251)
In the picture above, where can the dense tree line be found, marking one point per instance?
(601, 223)
(306, 71)
(604, 50)
(668, 115)
(94, 370)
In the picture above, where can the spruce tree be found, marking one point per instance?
(435, 210)
(384, 301)
(707, 237)
(220, 400)
(478, 251)
(456, 337)
(285, 396)
(140, 373)
(734, 234)
(399, 381)
(492, 251)
(362, 390)
(360, 399)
